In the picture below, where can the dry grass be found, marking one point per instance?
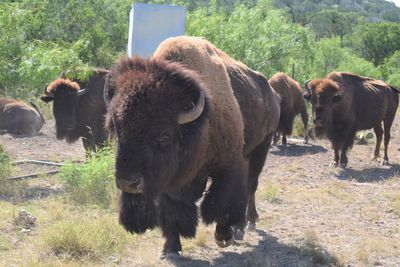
(371, 249)
(269, 192)
(81, 238)
(319, 255)
(396, 205)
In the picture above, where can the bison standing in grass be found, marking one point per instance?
(291, 105)
(189, 113)
(344, 103)
(17, 117)
(79, 109)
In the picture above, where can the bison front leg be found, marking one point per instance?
(225, 202)
(335, 161)
(178, 217)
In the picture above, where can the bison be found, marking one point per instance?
(79, 109)
(344, 103)
(17, 117)
(188, 113)
(292, 104)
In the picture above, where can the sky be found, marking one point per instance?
(397, 2)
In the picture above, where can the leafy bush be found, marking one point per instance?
(92, 182)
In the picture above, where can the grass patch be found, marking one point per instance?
(84, 238)
(92, 182)
(5, 244)
(396, 205)
(269, 192)
(318, 254)
(8, 189)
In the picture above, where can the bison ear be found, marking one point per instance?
(46, 98)
(108, 91)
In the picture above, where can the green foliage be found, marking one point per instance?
(92, 183)
(41, 38)
(331, 56)
(376, 41)
(5, 171)
(261, 37)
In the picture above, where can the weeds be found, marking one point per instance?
(92, 182)
(8, 189)
(396, 205)
(84, 238)
(269, 192)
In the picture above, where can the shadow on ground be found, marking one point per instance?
(295, 150)
(370, 175)
(268, 252)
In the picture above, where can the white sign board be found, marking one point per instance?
(150, 24)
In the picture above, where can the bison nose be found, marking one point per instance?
(135, 186)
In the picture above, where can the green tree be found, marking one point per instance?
(376, 41)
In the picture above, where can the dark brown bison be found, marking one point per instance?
(291, 105)
(17, 117)
(189, 113)
(344, 103)
(79, 109)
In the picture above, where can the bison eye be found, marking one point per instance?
(165, 139)
(188, 107)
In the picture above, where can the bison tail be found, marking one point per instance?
(38, 111)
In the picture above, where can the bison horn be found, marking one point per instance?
(47, 93)
(193, 114)
(82, 91)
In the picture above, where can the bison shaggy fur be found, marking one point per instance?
(79, 109)
(17, 117)
(344, 103)
(188, 113)
(292, 104)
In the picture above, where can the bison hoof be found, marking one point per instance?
(170, 256)
(239, 234)
(251, 227)
(305, 141)
(385, 162)
(343, 165)
(225, 243)
(333, 164)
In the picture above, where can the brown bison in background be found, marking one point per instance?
(79, 109)
(291, 105)
(17, 117)
(344, 103)
(189, 113)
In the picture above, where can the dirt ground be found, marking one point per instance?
(310, 214)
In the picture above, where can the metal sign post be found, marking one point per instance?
(150, 24)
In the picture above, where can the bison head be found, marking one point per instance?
(323, 95)
(157, 113)
(65, 94)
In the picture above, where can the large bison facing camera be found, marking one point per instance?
(79, 109)
(344, 103)
(189, 113)
(17, 117)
